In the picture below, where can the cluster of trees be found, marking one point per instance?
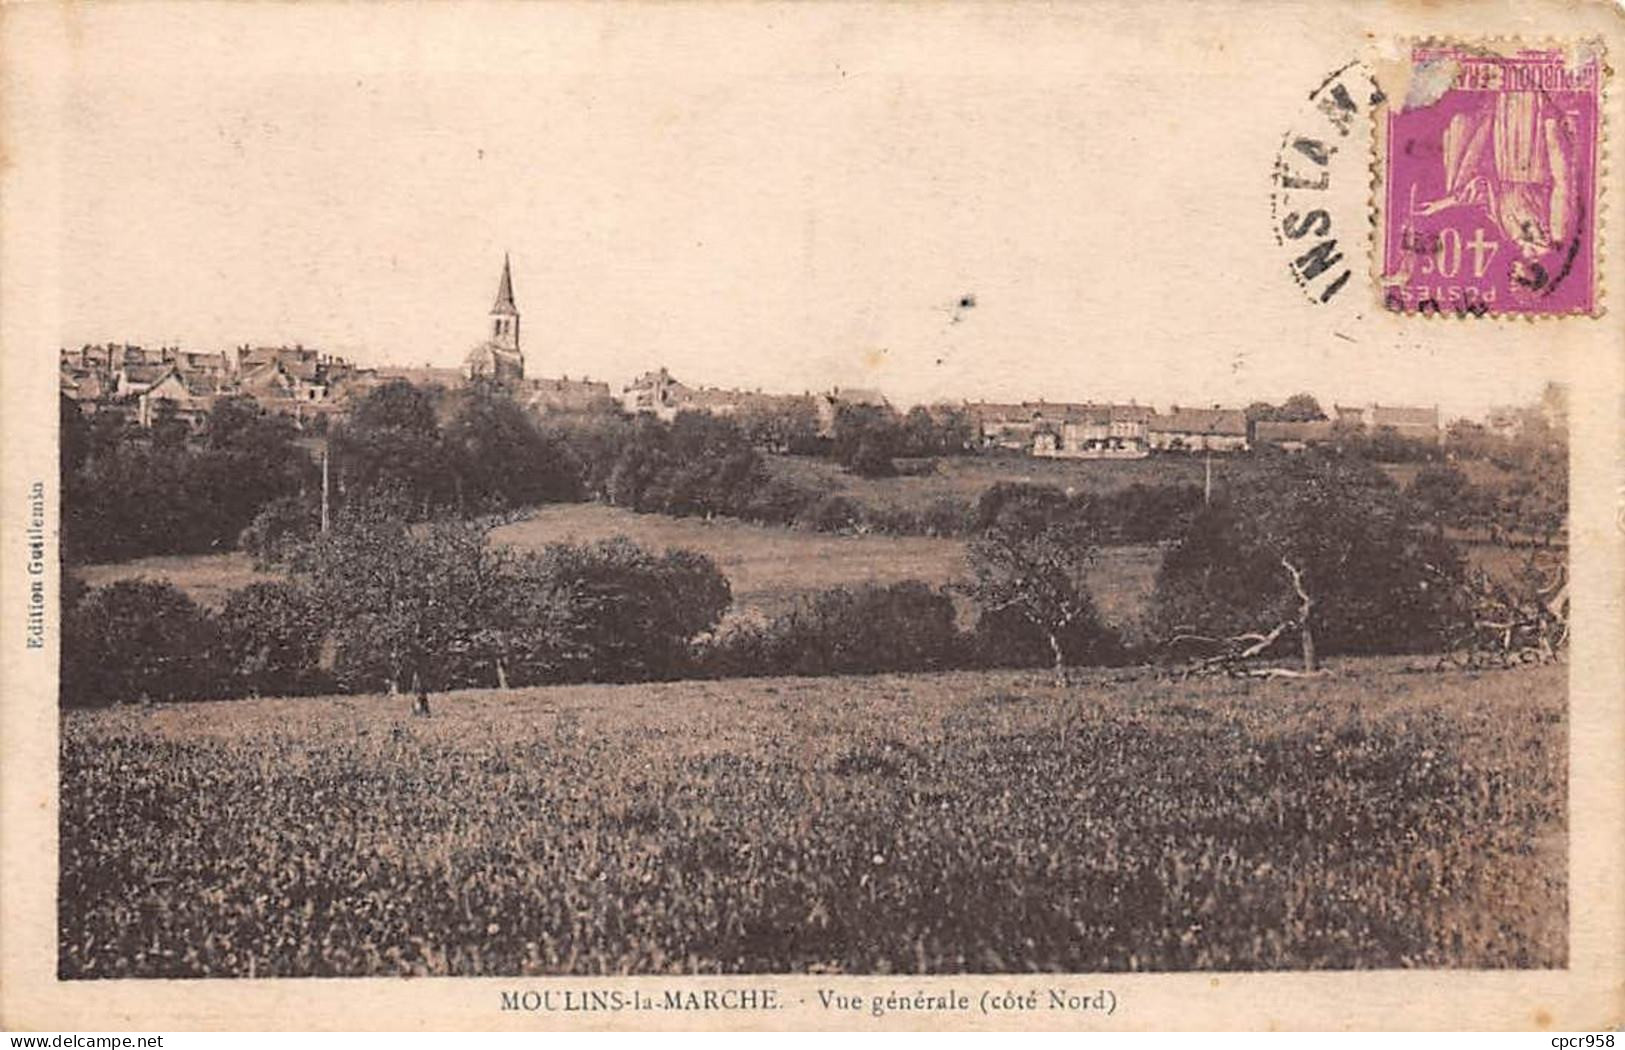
(1326, 555)
(131, 491)
(868, 439)
(244, 477)
(1327, 551)
(701, 465)
(375, 605)
(1299, 408)
(1531, 506)
(470, 451)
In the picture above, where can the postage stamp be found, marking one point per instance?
(1487, 167)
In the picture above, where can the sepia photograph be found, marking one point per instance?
(897, 492)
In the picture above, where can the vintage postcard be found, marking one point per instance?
(1099, 516)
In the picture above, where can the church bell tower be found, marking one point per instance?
(504, 314)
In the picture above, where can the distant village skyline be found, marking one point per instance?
(795, 212)
(509, 340)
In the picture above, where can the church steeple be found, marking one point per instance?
(504, 314)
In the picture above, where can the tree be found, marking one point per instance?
(501, 458)
(782, 425)
(1038, 570)
(391, 442)
(73, 442)
(271, 637)
(402, 602)
(871, 459)
(1443, 497)
(920, 436)
(1300, 408)
(1261, 410)
(866, 438)
(168, 430)
(279, 527)
(1323, 548)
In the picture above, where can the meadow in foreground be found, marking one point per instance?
(971, 822)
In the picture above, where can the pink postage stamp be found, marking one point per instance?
(1488, 202)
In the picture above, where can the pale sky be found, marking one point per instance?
(752, 196)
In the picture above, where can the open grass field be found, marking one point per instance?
(769, 566)
(766, 566)
(967, 477)
(207, 578)
(939, 823)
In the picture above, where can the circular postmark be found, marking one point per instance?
(1321, 183)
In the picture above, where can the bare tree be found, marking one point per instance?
(1039, 570)
(1326, 549)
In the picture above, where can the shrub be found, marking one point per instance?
(615, 611)
(904, 626)
(137, 640)
(892, 520)
(831, 513)
(1020, 499)
(779, 501)
(1008, 638)
(872, 459)
(946, 516)
(278, 528)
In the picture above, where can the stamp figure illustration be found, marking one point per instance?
(1489, 205)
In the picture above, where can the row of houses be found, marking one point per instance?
(300, 382)
(1051, 429)
(1132, 431)
(658, 394)
(1417, 424)
(307, 384)
(135, 380)
(310, 385)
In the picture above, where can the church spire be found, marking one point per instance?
(504, 303)
(505, 315)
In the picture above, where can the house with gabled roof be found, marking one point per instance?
(1095, 431)
(1199, 430)
(829, 404)
(564, 394)
(190, 396)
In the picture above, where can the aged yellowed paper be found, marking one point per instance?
(957, 515)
